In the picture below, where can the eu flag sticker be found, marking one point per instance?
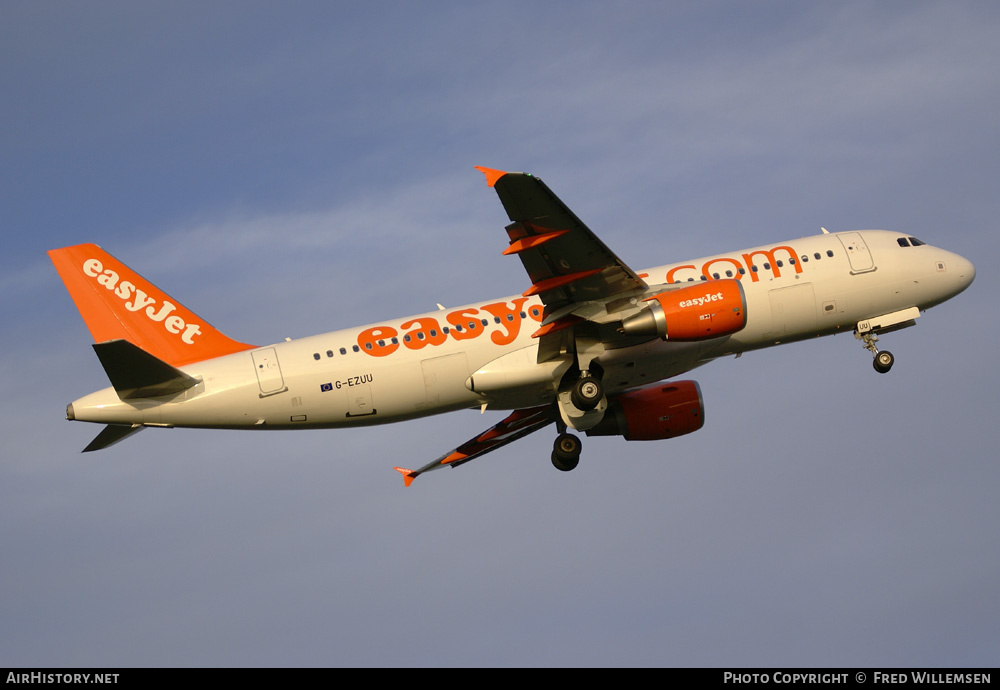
(324, 387)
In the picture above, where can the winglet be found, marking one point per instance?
(408, 475)
(492, 175)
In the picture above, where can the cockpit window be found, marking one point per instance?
(903, 242)
(915, 242)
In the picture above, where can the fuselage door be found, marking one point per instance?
(857, 252)
(269, 378)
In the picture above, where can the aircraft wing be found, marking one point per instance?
(518, 424)
(565, 260)
(573, 272)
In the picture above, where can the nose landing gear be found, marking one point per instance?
(886, 323)
(883, 361)
(883, 358)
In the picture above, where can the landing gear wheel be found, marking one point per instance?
(566, 452)
(883, 361)
(587, 393)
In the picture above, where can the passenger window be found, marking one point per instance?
(315, 355)
(329, 353)
(780, 264)
(767, 266)
(434, 332)
(715, 275)
(487, 323)
(753, 268)
(368, 346)
(816, 256)
(729, 274)
(510, 317)
(343, 350)
(743, 271)
(356, 348)
(381, 343)
(406, 338)
(829, 252)
(395, 341)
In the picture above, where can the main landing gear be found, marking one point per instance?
(587, 393)
(883, 358)
(566, 452)
(581, 405)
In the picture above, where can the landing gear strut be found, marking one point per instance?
(566, 452)
(883, 358)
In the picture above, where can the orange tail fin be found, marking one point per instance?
(118, 303)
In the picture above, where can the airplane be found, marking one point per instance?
(591, 345)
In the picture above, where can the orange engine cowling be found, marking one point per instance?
(656, 412)
(697, 312)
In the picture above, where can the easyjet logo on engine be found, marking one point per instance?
(698, 301)
(137, 300)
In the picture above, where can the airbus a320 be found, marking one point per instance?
(590, 346)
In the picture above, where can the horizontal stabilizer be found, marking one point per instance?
(135, 373)
(112, 434)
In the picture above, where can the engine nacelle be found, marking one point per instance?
(663, 410)
(697, 312)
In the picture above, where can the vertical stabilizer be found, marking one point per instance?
(119, 304)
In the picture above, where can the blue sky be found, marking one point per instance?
(290, 169)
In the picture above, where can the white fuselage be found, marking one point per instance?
(421, 365)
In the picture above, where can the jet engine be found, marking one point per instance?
(663, 410)
(697, 312)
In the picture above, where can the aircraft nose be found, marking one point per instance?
(964, 271)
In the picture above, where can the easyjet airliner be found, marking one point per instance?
(590, 346)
